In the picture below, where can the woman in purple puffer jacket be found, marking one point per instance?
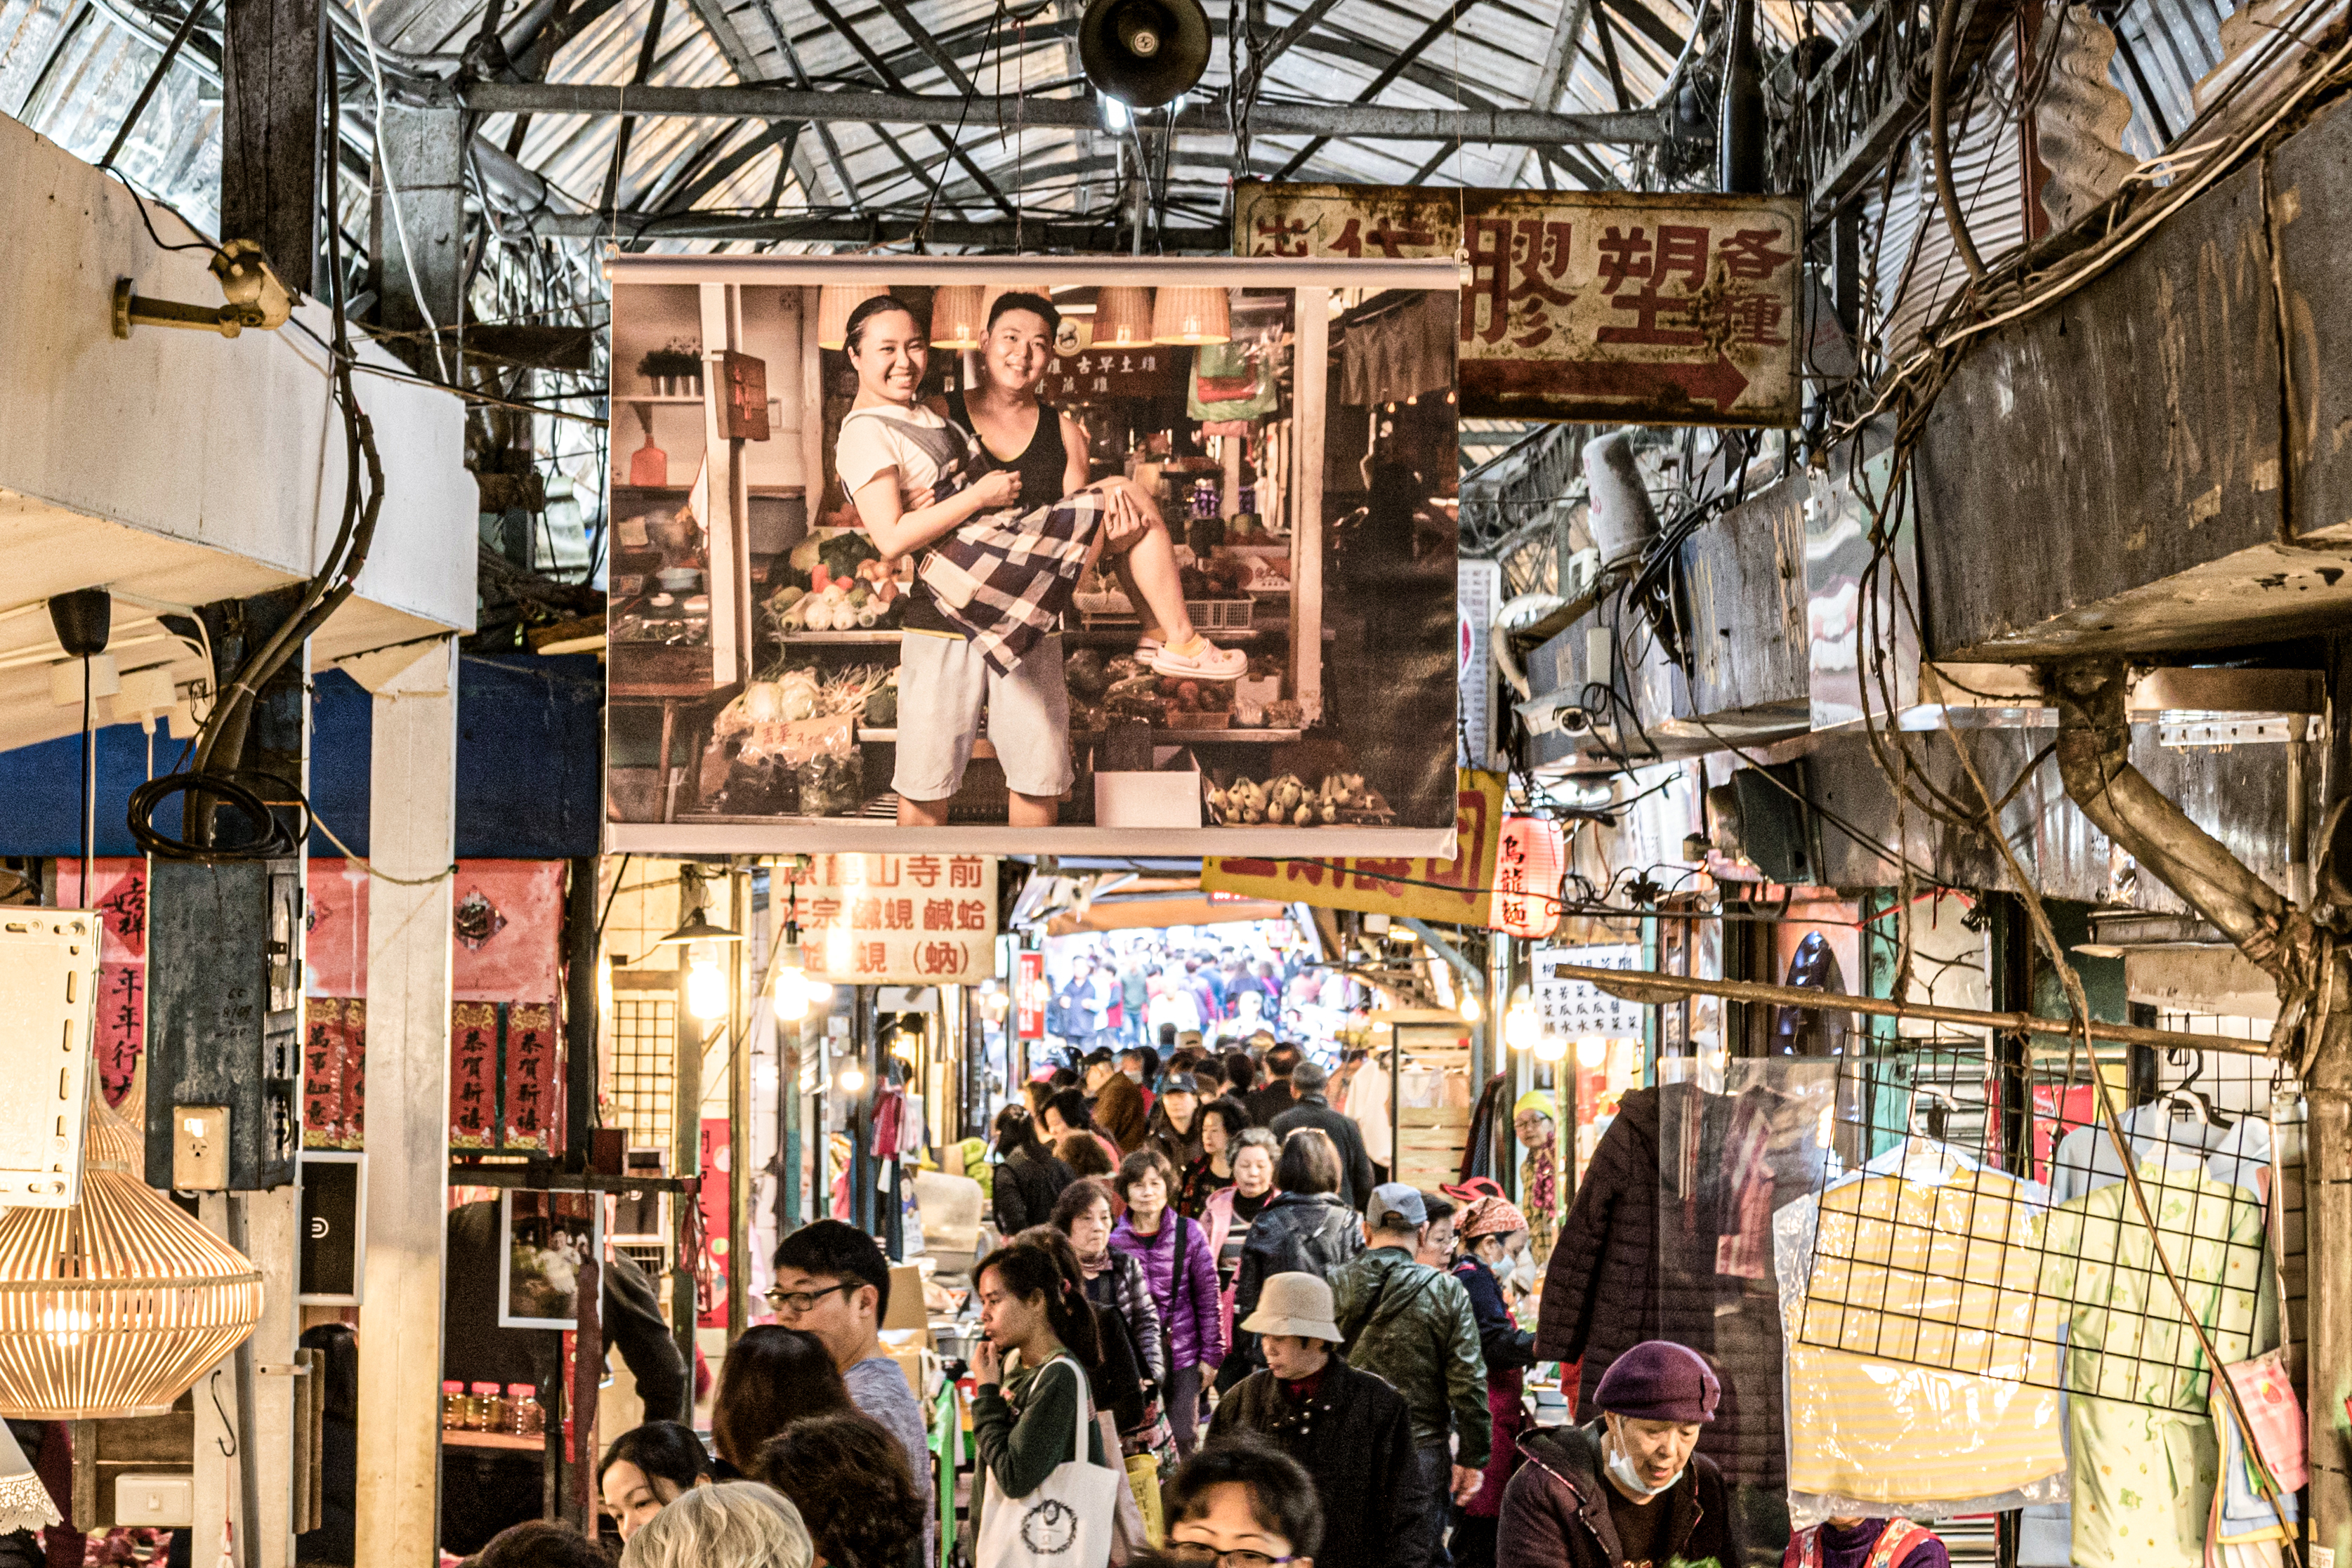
(1179, 1268)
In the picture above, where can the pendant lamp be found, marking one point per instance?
(24, 1502)
(1123, 317)
(117, 1305)
(956, 319)
(834, 301)
(1192, 316)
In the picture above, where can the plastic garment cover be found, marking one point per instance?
(1725, 1161)
(1922, 1367)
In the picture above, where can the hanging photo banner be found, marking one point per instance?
(1603, 307)
(1573, 1008)
(1458, 892)
(1215, 614)
(893, 920)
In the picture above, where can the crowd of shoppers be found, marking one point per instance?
(1328, 1366)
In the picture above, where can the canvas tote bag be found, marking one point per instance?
(1068, 1521)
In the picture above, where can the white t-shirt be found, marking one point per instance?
(874, 440)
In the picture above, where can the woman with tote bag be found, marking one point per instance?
(1049, 1499)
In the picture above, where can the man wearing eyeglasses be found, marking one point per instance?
(832, 1281)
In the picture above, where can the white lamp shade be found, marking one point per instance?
(24, 1502)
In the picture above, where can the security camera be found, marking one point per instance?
(256, 298)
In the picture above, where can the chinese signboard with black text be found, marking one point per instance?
(1572, 1009)
(895, 919)
(1602, 307)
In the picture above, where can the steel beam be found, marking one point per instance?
(1362, 123)
(1034, 231)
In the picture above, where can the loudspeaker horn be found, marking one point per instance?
(1144, 52)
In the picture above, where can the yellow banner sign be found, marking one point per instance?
(1459, 892)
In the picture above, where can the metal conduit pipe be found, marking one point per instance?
(2095, 760)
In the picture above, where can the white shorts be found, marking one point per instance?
(943, 683)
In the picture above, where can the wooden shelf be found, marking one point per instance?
(661, 398)
(875, 637)
(508, 1440)
(1225, 737)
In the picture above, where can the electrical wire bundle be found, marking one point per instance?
(218, 777)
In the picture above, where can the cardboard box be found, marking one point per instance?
(1160, 799)
(907, 1310)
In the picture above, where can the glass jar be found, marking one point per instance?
(452, 1406)
(526, 1417)
(489, 1407)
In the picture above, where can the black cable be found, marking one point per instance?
(88, 801)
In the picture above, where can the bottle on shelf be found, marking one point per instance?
(452, 1406)
(526, 1418)
(489, 1407)
(648, 464)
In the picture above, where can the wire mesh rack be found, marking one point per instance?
(1936, 1245)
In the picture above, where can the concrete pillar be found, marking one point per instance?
(412, 830)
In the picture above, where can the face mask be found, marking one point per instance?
(1622, 1471)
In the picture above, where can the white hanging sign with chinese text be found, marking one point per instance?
(1573, 1008)
(892, 919)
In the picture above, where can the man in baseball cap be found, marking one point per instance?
(1348, 1429)
(1629, 1489)
(1413, 1325)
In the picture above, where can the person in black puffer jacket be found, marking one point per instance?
(1029, 1175)
(1307, 1229)
(1616, 1278)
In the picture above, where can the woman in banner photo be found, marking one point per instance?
(982, 628)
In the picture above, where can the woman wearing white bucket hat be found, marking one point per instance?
(1348, 1429)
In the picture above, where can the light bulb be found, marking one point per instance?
(1550, 1049)
(1522, 1028)
(852, 1079)
(1591, 1051)
(816, 991)
(65, 1326)
(706, 990)
(791, 998)
(1471, 1011)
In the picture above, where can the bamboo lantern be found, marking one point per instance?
(1192, 316)
(1123, 317)
(834, 301)
(117, 1305)
(956, 319)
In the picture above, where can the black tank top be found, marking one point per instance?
(1042, 465)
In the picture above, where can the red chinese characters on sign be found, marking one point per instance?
(1676, 310)
(334, 1072)
(532, 1105)
(1030, 996)
(895, 919)
(473, 1075)
(1529, 864)
(118, 891)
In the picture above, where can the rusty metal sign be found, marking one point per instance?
(1605, 307)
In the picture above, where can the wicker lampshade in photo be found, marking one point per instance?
(1192, 316)
(956, 319)
(1123, 317)
(834, 301)
(117, 1305)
